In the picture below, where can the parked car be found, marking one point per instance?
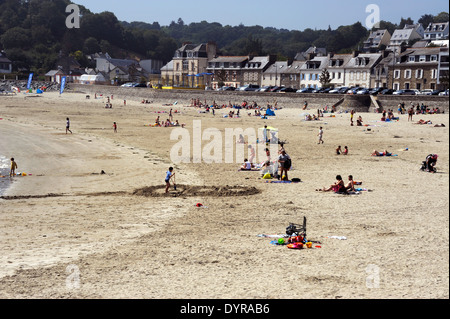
(139, 85)
(265, 89)
(343, 90)
(353, 90)
(363, 91)
(128, 85)
(436, 92)
(335, 90)
(327, 90)
(387, 92)
(425, 92)
(275, 88)
(376, 91)
(227, 88)
(444, 93)
(306, 90)
(249, 88)
(404, 92)
(287, 90)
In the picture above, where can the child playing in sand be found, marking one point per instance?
(169, 175)
(339, 150)
(345, 150)
(247, 166)
(13, 168)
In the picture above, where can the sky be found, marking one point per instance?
(285, 14)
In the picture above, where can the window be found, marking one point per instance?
(419, 74)
(339, 75)
(412, 59)
(406, 86)
(396, 86)
(422, 58)
(418, 86)
(407, 74)
(397, 74)
(434, 74)
(434, 58)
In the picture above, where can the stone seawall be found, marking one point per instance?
(360, 103)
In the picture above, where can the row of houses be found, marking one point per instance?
(108, 70)
(382, 39)
(411, 68)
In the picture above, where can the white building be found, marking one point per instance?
(310, 72)
(437, 31)
(359, 69)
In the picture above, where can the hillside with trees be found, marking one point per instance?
(34, 36)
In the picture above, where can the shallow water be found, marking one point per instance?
(4, 171)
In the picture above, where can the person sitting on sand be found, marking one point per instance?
(351, 184)
(247, 166)
(345, 150)
(359, 121)
(338, 187)
(338, 150)
(385, 153)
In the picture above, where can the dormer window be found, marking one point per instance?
(412, 59)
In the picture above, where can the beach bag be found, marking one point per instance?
(267, 176)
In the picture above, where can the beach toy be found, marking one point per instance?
(309, 245)
(199, 205)
(24, 174)
(267, 176)
(295, 246)
(281, 241)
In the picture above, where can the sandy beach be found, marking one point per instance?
(126, 239)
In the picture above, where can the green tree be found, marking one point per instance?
(325, 78)
(441, 17)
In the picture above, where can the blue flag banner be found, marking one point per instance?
(30, 78)
(63, 84)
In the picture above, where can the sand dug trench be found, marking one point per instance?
(198, 191)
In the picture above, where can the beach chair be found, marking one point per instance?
(296, 229)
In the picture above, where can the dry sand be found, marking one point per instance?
(67, 215)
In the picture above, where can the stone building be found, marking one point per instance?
(416, 69)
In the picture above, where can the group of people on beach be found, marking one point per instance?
(340, 187)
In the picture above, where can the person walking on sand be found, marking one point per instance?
(115, 127)
(13, 168)
(68, 126)
(171, 115)
(320, 136)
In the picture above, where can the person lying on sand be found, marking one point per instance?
(385, 153)
(422, 122)
(338, 187)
